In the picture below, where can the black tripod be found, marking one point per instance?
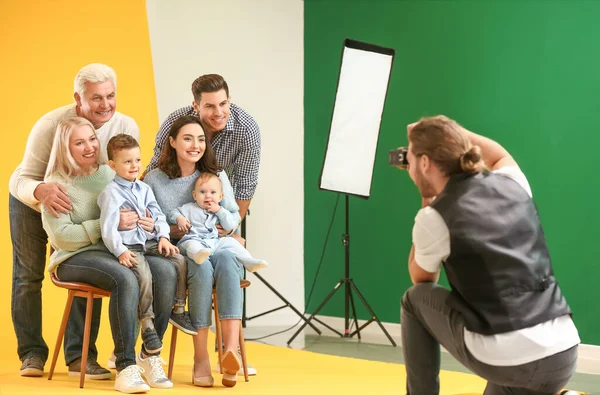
(348, 299)
(285, 301)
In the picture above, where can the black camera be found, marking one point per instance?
(399, 157)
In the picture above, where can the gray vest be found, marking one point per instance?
(499, 266)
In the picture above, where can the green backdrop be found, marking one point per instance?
(525, 73)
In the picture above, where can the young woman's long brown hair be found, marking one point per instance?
(168, 158)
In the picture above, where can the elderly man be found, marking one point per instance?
(95, 100)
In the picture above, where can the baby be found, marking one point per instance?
(198, 220)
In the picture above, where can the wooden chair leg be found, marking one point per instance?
(218, 333)
(243, 351)
(86, 337)
(172, 350)
(61, 333)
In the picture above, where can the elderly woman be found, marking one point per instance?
(186, 155)
(81, 256)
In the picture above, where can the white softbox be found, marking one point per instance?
(362, 86)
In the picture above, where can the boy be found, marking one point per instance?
(198, 220)
(130, 246)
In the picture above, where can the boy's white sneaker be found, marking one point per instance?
(130, 381)
(153, 371)
(252, 264)
(112, 361)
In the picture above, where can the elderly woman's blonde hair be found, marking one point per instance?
(61, 162)
(94, 73)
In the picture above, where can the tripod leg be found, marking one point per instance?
(307, 321)
(288, 304)
(372, 313)
(355, 316)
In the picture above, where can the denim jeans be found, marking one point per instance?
(145, 277)
(223, 269)
(102, 270)
(427, 321)
(29, 242)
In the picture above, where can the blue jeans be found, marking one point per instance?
(29, 262)
(102, 270)
(223, 269)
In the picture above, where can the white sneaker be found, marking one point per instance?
(201, 255)
(154, 372)
(251, 369)
(129, 380)
(112, 361)
(252, 264)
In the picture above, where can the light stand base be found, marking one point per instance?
(350, 286)
(287, 304)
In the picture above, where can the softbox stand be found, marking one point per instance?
(348, 167)
(348, 284)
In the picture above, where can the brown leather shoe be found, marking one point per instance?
(93, 370)
(32, 367)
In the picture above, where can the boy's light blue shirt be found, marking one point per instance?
(135, 195)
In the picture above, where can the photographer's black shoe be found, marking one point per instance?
(151, 341)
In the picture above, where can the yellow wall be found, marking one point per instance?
(42, 46)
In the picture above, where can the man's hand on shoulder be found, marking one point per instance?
(54, 197)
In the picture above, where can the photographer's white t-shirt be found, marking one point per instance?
(431, 239)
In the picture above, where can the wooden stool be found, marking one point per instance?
(243, 284)
(85, 291)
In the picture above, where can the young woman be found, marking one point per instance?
(185, 156)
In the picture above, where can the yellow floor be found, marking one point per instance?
(281, 371)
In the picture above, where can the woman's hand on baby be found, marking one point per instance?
(127, 259)
(223, 232)
(165, 245)
(183, 224)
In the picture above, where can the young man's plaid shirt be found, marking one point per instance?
(237, 148)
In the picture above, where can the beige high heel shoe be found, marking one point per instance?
(206, 381)
(230, 365)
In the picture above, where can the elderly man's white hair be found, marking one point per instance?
(94, 72)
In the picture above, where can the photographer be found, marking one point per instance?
(505, 317)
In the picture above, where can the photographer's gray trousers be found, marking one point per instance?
(428, 322)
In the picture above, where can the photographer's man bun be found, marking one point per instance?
(471, 161)
(445, 143)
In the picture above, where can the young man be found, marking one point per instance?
(505, 318)
(95, 100)
(233, 133)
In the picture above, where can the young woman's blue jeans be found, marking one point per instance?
(226, 272)
(101, 269)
